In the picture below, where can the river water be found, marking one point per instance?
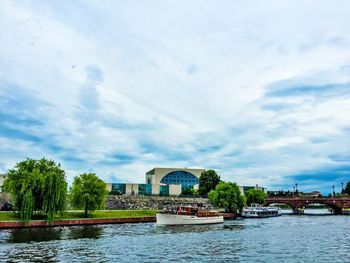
(288, 238)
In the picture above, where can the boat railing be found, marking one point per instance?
(188, 210)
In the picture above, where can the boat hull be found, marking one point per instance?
(261, 212)
(172, 219)
(259, 216)
(346, 211)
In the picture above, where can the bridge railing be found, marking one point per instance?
(308, 198)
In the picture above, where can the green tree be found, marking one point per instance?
(88, 192)
(190, 192)
(256, 196)
(227, 196)
(37, 186)
(207, 182)
(347, 188)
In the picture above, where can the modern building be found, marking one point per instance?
(186, 177)
(166, 182)
(161, 181)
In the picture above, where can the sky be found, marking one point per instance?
(257, 90)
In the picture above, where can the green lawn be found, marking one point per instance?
(10, 216)
(7, 216)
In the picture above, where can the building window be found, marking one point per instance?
(164, 190)
(184, 178)
(118, 189)
(145, 189)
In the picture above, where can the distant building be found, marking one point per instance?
(310, 194)
(166, 182)
(282, 193)
(161, 181)
(2, 180)
(244, 189)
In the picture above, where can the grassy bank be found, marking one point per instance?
(10, 216)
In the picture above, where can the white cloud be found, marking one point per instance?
(187, 84)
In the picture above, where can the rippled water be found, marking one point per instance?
(280, 239)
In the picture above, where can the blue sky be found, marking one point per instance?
(257, 90)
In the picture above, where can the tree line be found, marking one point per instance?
(227, 195)
(39, 187)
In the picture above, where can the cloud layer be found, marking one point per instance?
(259, 91)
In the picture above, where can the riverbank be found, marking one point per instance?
(71, 218)
(76, 214)
(76, 222)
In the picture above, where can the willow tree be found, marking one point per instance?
(207, 182)
(227, 196)
(256, 196)
(37, 186)
(88, 192)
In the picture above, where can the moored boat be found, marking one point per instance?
(257, 211)
(188, 216)
(346, 211)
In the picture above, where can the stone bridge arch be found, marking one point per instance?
(329, 204)
(297, 203)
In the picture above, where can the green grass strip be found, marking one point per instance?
(74, 214)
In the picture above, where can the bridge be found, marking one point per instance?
(337, 204)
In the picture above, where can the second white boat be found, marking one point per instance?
(257, 211)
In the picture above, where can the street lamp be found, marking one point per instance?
(342, 188)
(293, 190)
(333, 191)
(296, 188)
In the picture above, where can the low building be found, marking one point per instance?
(244, 189)
(144, 189)
(161, 181)
(2, 180)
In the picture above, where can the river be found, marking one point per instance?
(288, 238)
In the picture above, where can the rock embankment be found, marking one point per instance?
(150, 202)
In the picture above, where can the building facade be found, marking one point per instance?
(166, 182)
(186, 177)
(161, 181)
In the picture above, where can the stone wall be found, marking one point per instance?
(137, 201)
(149, 202)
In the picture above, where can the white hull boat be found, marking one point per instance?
(257, 211)
(346, 211)
(175, 219)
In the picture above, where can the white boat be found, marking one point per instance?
(346, 211)
(257, 211)
(188, 216)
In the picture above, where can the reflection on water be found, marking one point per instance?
(77, 232)
(234, 227)
(189, 228)
(310, 211)
(27, 235)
